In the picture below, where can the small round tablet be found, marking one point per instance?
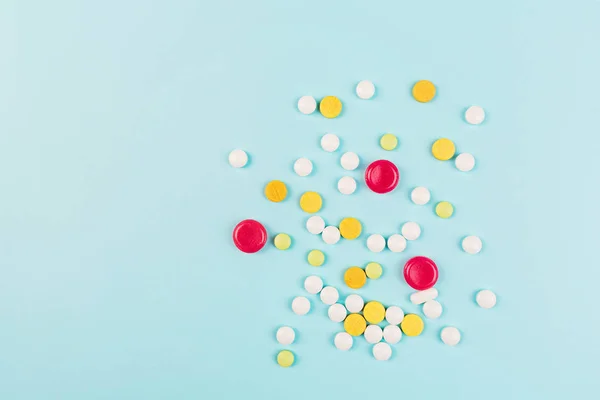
(432, 309)
(394, 315)
(392, 334)
(355, 277)
(307, 105)
(282, 241)
(365, 90)
(472, 244)
(388, 142)
(376, 243)
(350, 228)
(346, 185)
(450, 336)
(315, 225)
(329, 295)
(411, 231)
(303, 166)
(285, 335)
(374, 312)
(330, 142)
(444, 209)
(412, 325)
(349, 161)
(423, 91)
(355, 324)
(486, 298)
(301, 305)
(330, 106)
(316, 258)
(337, 312)
(382, 351)
(396, 243)
(474, 115)
(343, 341)
(276, 191)
(331, 235)
(285, 358)
(464, 162)
(443, 149)
(354, 303)
(313, 284)
(420, 195)
(238, 158)
(311, 202)
(374, 270)
(373, 334)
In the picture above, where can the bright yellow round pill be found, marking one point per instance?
(412, 325)
(285, 358)
(355, 277)
(276, 191)
(443, 149)
(350, 228)
(311, 202)
(374, 270)
(316, 258)
(330, 107)
(388, 142)
(374, 312)
(283, 241)
(444, 209)
(355, 324)
(423, 91)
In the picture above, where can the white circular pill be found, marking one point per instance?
(307, 104)
(346, 185)
(376, 243)
(396, 243)
(354, 303)
(303, 166)
(301, 305)
(330, 142)
(411, 231)
(420, 195)
(373, 334)
(315, 225)
(329, 295)
(337, 312)
(238, 158)
(285, 335)
(313, 284)
(486, 298)
(475, 115)
(472, 244)
(394, 315)
(365, 90)
(465, 162)
(349, 161)
(331, 235)
(392, 334)
(432, 309)
(343, 341)
(382, 351)
(450, 335)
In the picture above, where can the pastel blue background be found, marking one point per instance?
(118, 277)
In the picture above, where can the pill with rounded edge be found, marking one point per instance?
(303, 167)
(373, 334)
(382, 351)
(432, 309)
(307, 105)
(422, 296)
(337, 312)
(313, 284)
(354, 303)
(238, 158)
(330, 142)
(392, 334)
(301, 305)
(450, 336)
(329, 295)
(343, 341)
(285, 335)
(315, 225)
(376, 243)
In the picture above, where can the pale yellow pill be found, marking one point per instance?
(388, 142)
(350, 228)
(283, 241)
(423, 91)
(374, 312)
(444, 209)
(443, 149)
(285, 358)
(311, 202)
(330, 107)
(374, 270)
(412, 325)
(316, 258)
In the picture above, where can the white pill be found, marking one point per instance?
(465, 162)
(373, 334)
(301, 305)
(420, 195)
(392, 334)
(382, 351)
(329, 295)
(396, 243)
(411, 231)
(472, 244)
(394, 315)
(238, 158)
(432, 309)
(303, 166)
(450, 335)
(315, 225)
(486, 298)
(423, 295)
(330, 142)
(475, 115)
(343, 341)
(313, 284)
(346, 185)
(349, 161)
(331, 235)
(337, 312)
(376, 243)
(285, 335)
(354, 303)
(307, 104)
(365, 90)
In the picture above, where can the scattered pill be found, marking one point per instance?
(432, 309)
(276, 191)
(311, 202)
(420, 195)
(465, 162)
(313, 284)
(285, 335)
(376, 243)
(343, 341)
(382, 351)
(444, 209)
(330, 107)
(486, 298)
(249, 236)
(303, 166)
(373, 334)
(282, 241)
(396, 243)
(346, 185)
(337, 312)
(382, 176)
(301, 305)
(374, 312)
(330, 142)
(420, 273)
(285, 358)
(392, 334)
(472, 244)
(354, 303)
(412, 325)
(450, 336)
(307, 105)
(394, 315)
(329, 295)
(443, 149)
(315, 225)
(331, 235)
(350, 228)
(349, 161)
(355, 324)
(474, 115)
(388, 142)
(355, 277)
(316, 258)
(365, 90)
(238, 158)
(373, 270)
(411, 231)
(423, 91)
(422, 296)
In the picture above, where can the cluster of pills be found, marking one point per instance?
(349, 228)
(396, 243)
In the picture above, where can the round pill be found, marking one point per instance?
(373, 270)
(388, 142)
(331, 235)
(315, 225)
(355, 324)
(373, 334)
(474, 115)
(411, 231)
(303, 166)
(412, 325)
(313, 284)
(472, 244)
(423, 91)
(355, 277)
(249, 236)
(422, 296)
(316, 258)
(444, 209)
(420, 273)
(350, 228)
(376, 243)
(329, 295)
(382, 176)
(450, 336)
(465, 162)
(337, 312)
(394, 315)
(285, 335)
(330, 106)
(374, 312)
(307, 105)
(301, 305)
(343, 341)
(276, 191)
(346, 185)
(354, 303)
(365, 90)
(330, 142)
(443, 149)
(382, 351)
(238, 158)
(420, 195)
(285, 358)
(432, 309)
(392, 334)
(486, 298)
(311, 202)
(283, 241)
(349, 161)
(396, 243)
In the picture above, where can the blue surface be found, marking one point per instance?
(118, 278)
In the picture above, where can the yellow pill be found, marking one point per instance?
(423, 91)
(374, 312)
(285, 358)
(374, 270)
(350, 228)
(443, 149)
(355, 324)
(276, 191)
(443, 209)
(412, 325)
(311, 202)
(330, 107)
(283, 241)
(316, 258)
(388, 142)
(355, 277)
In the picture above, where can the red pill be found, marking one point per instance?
(420, 273)
(249, 236)
(382, 176)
